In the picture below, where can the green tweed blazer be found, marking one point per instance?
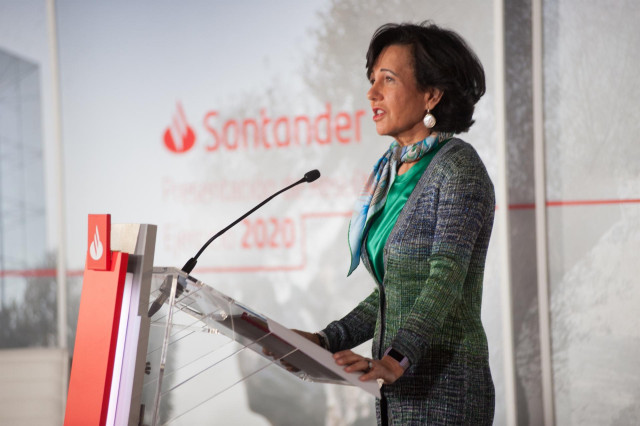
(428, 305)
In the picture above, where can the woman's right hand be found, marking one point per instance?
(309, 336)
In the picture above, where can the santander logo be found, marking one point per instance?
(263, 132)
(179, 137)
(96, 249)
(99, 242)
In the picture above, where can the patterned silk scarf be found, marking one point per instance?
(374, 194)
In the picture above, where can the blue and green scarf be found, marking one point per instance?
(374, 194)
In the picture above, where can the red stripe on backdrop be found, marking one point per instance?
(521, 206)
(591, 202)
(529, 206)
(38, 273)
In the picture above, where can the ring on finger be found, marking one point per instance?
(369, 365)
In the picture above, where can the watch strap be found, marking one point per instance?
(403, 360)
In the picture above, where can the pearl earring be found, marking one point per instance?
(429, 120)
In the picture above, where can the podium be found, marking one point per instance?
(165, 368)
(206, 330)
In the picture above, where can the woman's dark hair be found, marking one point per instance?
(442, 60)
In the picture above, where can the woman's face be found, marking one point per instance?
(398, 105)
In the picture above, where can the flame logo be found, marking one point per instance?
(179, 137)
(96, 249)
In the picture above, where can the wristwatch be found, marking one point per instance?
(403, 360)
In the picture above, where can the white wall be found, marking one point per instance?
(32, 386)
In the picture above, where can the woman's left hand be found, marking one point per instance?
(387, 368)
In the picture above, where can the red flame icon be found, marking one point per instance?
(96, 249)
(179, 137)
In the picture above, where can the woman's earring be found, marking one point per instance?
(429, 120)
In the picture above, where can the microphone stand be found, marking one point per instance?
(310, 176)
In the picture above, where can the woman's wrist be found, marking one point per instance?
(393, 366)
(322, 339)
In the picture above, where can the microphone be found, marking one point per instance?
(165, 288)
(309, 177)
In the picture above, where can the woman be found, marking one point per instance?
(421, 228)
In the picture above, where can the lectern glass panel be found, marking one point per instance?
(200, 338)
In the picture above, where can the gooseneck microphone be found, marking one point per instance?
(191, 263)
(165, 290)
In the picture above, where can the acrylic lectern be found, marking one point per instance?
(156, 346)
(199, 333)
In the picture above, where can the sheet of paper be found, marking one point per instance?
(321, 356)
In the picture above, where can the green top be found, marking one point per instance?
(397, 196)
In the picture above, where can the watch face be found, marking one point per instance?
(403, 360)
(395, 355)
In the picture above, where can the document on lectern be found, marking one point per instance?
(317, 362)
(268, 338)
(295, 353)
